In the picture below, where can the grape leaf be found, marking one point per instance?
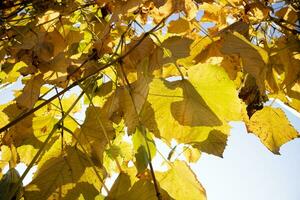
(30, 92)
(67, 173)
(187, 186)
(142, 139)
(272, 127)
(254, 58)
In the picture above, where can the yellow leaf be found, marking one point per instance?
(211, 12)
(215, 143)
(13, 74)
(288, 47)
(142, 139)
(188, 110)
(96, 131)
(66, 176)
(50, 45)
(187, 186)
(128, 105)
(31, 92)
(19, 132)
(167, 7)
(272, 127)
(254, 58)
(217, 90)
(145, 49)
(179, 26)
(258, 11)
(5, 153)
(129, 187)
(59, 63)
(173, 50)
(192, 154)
(48, 19)
(179, 112)
(5, 156)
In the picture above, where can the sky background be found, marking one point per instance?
(249, 171)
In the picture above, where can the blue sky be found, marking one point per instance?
(249, 171)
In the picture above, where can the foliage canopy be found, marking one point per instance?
(145, 70)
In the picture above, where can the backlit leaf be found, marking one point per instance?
(254, 58)
(187, 186)
(63, 177)
(272, 127)
(143, 142)
(30, 92)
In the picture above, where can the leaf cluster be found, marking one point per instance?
(103, 80)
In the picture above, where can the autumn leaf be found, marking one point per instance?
(128, 186)
(102, 80)
(179, 26)
(144, 148)
(95, 132)
(64, 177)
(214, 144)
(187, 184)
(31, 92)
(254, 58)
(272, 127)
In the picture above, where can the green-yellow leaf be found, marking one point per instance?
(217, 90)
(142, 139)
(176, 110)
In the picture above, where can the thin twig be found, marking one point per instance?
(62, 122)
